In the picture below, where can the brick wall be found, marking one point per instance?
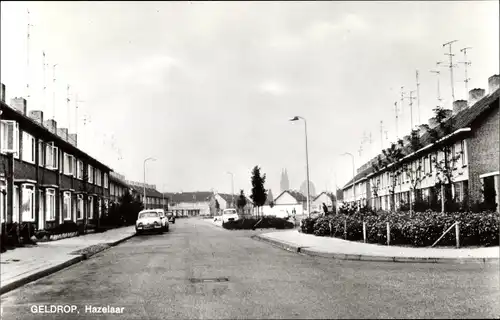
(483, 148)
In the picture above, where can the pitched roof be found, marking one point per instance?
(295, 194)
(465, 118)
(117, 180)
(197, 196)
(150, 192)
(40, 129)
(328, 194)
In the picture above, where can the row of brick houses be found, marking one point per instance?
(154, 198)
(474, 141)
(45, 179)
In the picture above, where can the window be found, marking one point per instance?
(75, 164)
(79, 169)
(15, 217)
(106, 186)
(28, 148)
(50, 204)
(91, 208)
(41, 153)
(99, 207)
(91, 174)
(425, 164)
(40, 203)
(68, 164)
(3, 201)
(98, 177)
(79, 208)
(51, 156)
(28, 206)
(67, 205)
(462, 150)
(9, 131)
(457, 191)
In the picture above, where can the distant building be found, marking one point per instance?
(284, 181)
(189, 203)
(312, 188)
(324, 197)
(225, 201)
(290, 200)
(154, 198)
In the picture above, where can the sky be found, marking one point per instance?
(207, 88)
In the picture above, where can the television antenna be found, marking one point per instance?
(451, 66)
(466, 63)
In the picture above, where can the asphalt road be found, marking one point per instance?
(149, 277)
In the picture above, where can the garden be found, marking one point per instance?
(258, 223)
(416, 229)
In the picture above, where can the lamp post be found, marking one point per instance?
(296, 118)
(144, 185)
(353, 174)
(232, 187)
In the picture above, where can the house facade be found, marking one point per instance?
(117, 186)
(185, 204)
(154, 198)
(288, 202)
(473, 144)
(45, 179)
(324, 197)
(228, 201)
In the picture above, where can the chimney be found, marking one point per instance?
(72, 138)
(448, 113)
(51, 125)
(422, 129)
(493, 83)
(459, 105)
(19, 104)
(407, 139)
(63, 133)
(433, 122)
(2, 92)
(37, 115)
(475, 95)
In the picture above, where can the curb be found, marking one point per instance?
(40, 274)
(361, 257)
(43, 273)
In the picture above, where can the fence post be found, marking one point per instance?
(345, 229)
(388, 233)
(457, 234)
(364, 232)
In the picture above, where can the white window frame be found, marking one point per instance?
(106, 181)
(15, 216)
(51, 157)
(80, 207)
(79, 170)
(75, 166)
(41, 153)
(28, 205)
(90, 214)
(67, 214)
(28, 151)
(98, 177)
(41, 203)
(90, 174)
(463, 148)
(15, 140)
(3, 213)
(69, 161)
(50, 211)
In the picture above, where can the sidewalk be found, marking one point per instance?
(25, 264)
(350, 250)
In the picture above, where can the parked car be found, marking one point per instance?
(171, 217)
(151, 220)
(164, 219)
(229, 215)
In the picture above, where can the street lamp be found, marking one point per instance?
(144, 186)
(232, 186)
(296, 118)
(353, 174)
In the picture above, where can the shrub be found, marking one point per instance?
(267, 222)
(421, 229)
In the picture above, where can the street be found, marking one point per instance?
(159, 277)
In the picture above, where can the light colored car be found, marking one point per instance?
(229, 215)
(164, 219)
(150, 220)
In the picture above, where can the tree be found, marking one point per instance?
(413, 170)
(259, 195)
(391, 155)
(241, 202)
(445, 159)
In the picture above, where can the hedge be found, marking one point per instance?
(420, 229)
(267, 222)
